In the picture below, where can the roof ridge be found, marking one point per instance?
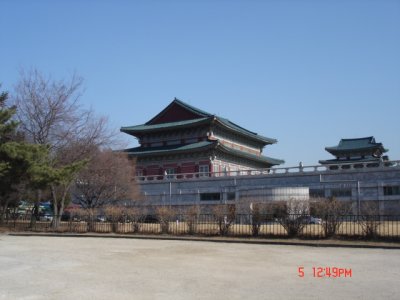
(355, 139)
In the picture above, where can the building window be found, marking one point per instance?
(204, 170)
(174, 142)
(391, 190)
(210, 196)
(230, 196)
(170, 173)
(317, 193)
(156, 144)
(341, 193)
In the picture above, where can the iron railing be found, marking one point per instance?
(274, 171)
(237, 225)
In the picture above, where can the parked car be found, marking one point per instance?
(150, 219)
(311, 220)
(45, 213)
(70, 213)
(101, 218)
(46, 217)
(314, 220)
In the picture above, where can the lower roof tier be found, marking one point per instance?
(344, 161)
(202, 146)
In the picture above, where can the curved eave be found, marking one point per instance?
(244, 132)
(335, 150)
(139, 130)
(338, 161)
(267, 161)
(176, 149)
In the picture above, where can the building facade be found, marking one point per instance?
(377, 184)
(182, 139)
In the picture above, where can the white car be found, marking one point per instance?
(314, 220)
(46, 218)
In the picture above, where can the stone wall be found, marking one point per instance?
(355, 185)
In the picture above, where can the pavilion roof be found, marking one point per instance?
(366, 144)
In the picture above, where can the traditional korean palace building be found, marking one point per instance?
(182, 139)
(187, 156)
(363, 150)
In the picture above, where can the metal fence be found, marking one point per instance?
(237, 225)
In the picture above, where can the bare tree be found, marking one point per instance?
(258, 213)
(332, 213)
(107, 179)
(291, 215)
(136, 216)
(50, 114)
(114, 214)
(164, 215)
(191, 217)
(225, 215)
(370, 219)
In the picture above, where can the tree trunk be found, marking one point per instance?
(3, 210)
(55, 207)
(35, 212)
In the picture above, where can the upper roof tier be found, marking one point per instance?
(179, 114)
(359, 145)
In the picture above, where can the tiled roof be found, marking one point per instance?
(263, 159)
(192, 108)
(145, 151)
(153, 151)
(359, 144)
(242, 130)
(343, 161)
(204, 118)
(156, 127)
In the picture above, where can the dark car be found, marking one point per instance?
(150, 219)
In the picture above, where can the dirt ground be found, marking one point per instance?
(100, 268)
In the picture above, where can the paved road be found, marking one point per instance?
(98, 268)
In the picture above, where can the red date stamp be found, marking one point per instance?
(325, 272)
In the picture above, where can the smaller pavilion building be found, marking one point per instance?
(183, 139)
(358, 150)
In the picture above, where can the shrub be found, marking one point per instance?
(291, 215)
(225, 215)
(369, 220)
(331, 211)
(164, 215)
(114, 214)
(191, 218)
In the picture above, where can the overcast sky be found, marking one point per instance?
(304, 72)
